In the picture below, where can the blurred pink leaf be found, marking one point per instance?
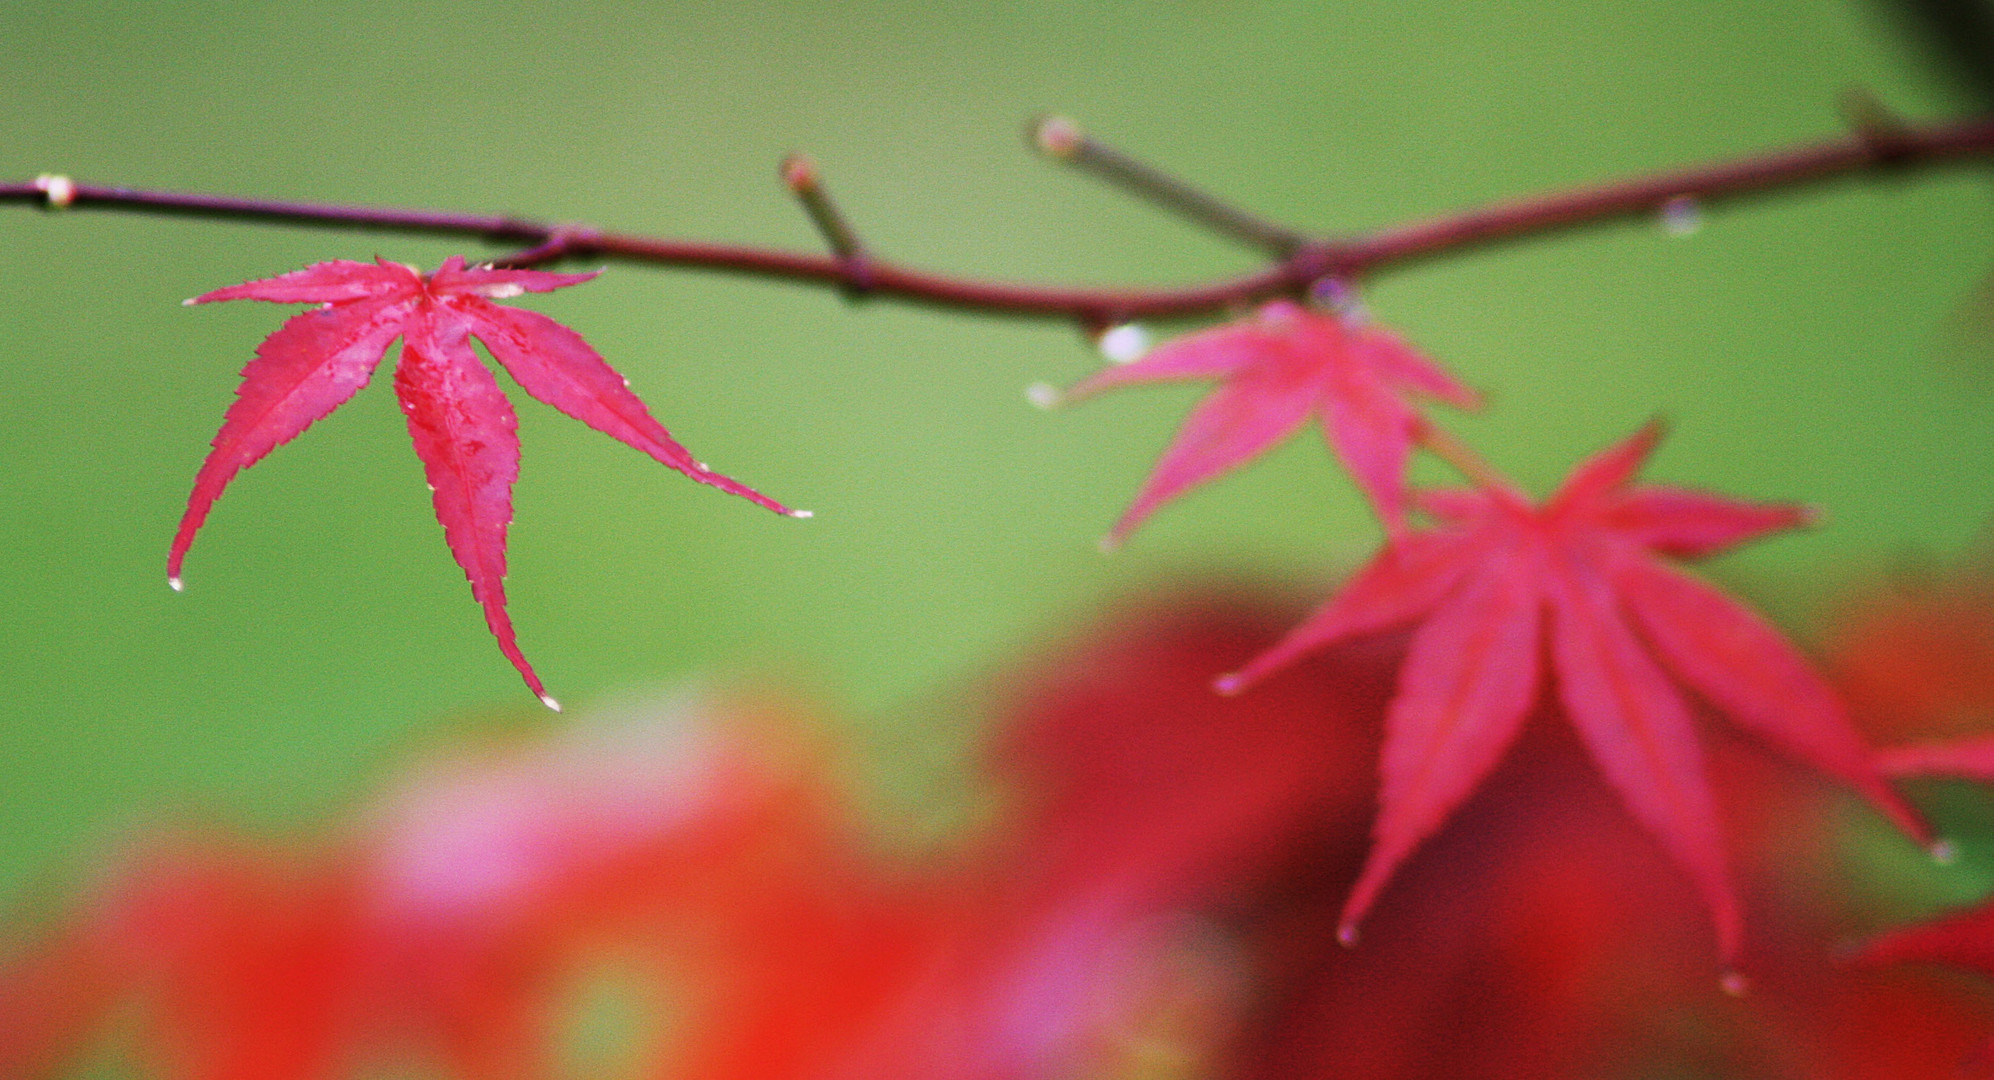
(1277, 368)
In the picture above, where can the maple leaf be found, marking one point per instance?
(1497, 576)
(462, 425)
(722, 870)
(1279, 367)
(1960, 939)
(1971, 759)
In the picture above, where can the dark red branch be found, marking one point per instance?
(1868, 151)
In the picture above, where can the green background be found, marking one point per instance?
(1795, 343)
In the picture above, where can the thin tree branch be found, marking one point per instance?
(1871, 151)
(799, 174)
(1062, 140)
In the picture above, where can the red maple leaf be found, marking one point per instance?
(1971, 758)
(1497, 576)
(462, 425)
(1962, 939)
(1279, 367)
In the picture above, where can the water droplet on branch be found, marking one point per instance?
(58, 191)
(1340, 296)
(1125, 343)
(1681, 216)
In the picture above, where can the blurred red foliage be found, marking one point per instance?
(1158, 900)
(1914, 656)
(1542, 934)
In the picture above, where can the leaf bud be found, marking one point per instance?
(1058, 137)
(799, 173)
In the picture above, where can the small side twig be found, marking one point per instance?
(1885, 133)
(799, 174)
(1061, 139)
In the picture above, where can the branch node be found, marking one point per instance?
(1886, 135)
(1317, 260)
(799, 174)
(1061, 139)
(1095, 322)
(58, 191)
(562, 242)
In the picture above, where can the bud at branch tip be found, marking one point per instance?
(1057, 137)
(799, 173)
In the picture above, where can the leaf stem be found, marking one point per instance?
(1444, 445)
